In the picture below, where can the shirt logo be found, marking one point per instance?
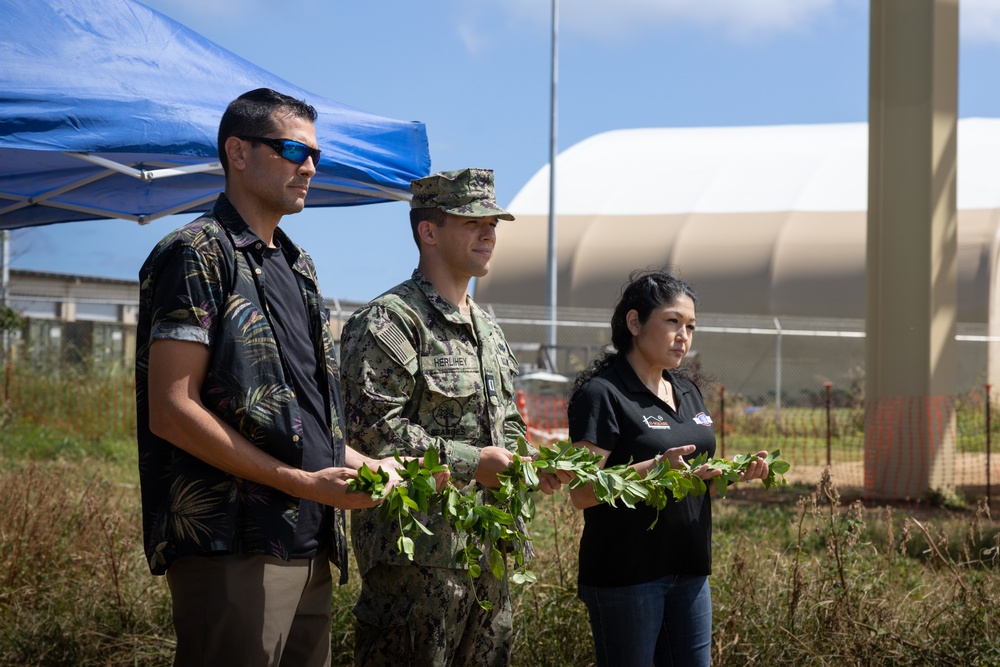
(448, 414)
(656, 421)
(701, 419)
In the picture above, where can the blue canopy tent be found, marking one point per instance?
(109, 109)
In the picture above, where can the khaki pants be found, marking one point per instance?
(251, 611)
(428, 617)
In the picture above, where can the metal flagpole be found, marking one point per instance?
(552, 257)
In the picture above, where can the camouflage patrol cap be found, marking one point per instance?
(464, 192)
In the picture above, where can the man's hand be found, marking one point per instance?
(492, 461)
(331, 489)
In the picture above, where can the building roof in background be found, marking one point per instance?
(765, 220)
(820, 168)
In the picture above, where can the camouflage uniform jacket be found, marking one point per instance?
(203, 283)
(417, 374)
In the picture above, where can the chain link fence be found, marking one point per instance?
(789, 383)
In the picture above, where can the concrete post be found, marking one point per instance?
(912, 242)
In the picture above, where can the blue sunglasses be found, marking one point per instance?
(293, 151)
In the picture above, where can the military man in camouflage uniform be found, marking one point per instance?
(424, 366)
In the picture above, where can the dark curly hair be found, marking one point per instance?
(645, 291)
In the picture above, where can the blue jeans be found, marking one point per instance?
(667, 623)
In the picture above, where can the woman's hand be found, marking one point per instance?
(757, 469)
(675, 456)
(550, 482)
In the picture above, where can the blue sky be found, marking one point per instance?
(477, 74)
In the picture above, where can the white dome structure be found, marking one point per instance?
(759, 220)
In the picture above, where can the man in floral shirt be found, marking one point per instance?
(241, 447)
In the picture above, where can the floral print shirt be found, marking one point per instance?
(202, 283)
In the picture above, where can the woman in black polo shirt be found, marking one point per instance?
(647, 591)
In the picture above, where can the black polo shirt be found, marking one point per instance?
(616, 412)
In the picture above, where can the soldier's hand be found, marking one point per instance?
(441, 479)
(492, 461)
(392, 465)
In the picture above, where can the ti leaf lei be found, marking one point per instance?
(492, 529)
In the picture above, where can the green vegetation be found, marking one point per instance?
(492, 525)
(72, 414)
(799, 579)
(74, 587)
(801, 576)
(818, 583)
(10, 320)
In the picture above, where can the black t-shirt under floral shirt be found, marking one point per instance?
(288, 316)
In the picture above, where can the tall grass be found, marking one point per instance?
(856, 586)
(74, 588)
(800, 578)
(72, 413)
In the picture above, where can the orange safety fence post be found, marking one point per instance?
(73, 409)
(989, 463)
(827, 386)
(722, 421)
(63, 409)
(96, 410)
(545, 412)
(76, 407)
(909, 447)
(45, 400)
(522, 405)
(121, 407)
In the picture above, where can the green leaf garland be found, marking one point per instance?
(495, 527)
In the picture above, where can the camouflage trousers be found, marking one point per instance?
(428, 617)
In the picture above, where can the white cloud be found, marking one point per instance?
(737, 17)
(979, 20)
(473, 38)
